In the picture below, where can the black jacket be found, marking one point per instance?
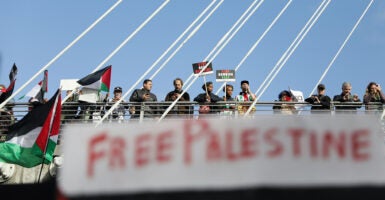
(201, 99)
(150, 111)
(179, 109)
(340, 98)
(324, 103)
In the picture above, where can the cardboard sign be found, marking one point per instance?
(197, 67)
(225, 75)
(212, 154)
(89, 95)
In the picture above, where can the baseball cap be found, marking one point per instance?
(117, 89)
(321, 87)
(245, 81)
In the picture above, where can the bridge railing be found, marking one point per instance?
(78, 113)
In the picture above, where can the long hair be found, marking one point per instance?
(375, 95)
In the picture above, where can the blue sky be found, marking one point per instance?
(34, 32)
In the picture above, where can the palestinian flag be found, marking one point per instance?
(13, 73)
(6, 93)
(40, 89)
(32, 140)
(99, 80)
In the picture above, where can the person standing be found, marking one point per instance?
(374, 98)
(120, 110)
(208, 99)
(245, 96)
(228, 108)
(320, 102)
(144, 96)
(284, 108)
(181, 109)
(346, 98)
(70, 107)
(228, 90)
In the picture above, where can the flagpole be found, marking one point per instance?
(205, 82)
(225, 91)
(49, 132)
(61, 53)
(124, 42)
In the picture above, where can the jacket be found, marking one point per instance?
(340, 98)
(181, 108)
(201, 99)
(324, 103)
(150, 111)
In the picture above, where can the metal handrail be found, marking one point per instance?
(76, 113)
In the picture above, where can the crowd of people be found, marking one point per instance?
(143, 103)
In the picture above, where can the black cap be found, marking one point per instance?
(118, 89)
(321, 87)
(245, 81)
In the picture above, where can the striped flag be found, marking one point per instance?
(32, 140)
(13, 73)
(5, 93)
(99, 80)
(40, 89)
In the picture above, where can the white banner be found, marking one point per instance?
(298, 95)
(221, 154)
(69, 84)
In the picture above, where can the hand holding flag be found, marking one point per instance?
(6, 93)
(32, 140)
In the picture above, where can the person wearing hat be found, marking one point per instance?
(320, 102)
(245, 96)
(120, 110)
